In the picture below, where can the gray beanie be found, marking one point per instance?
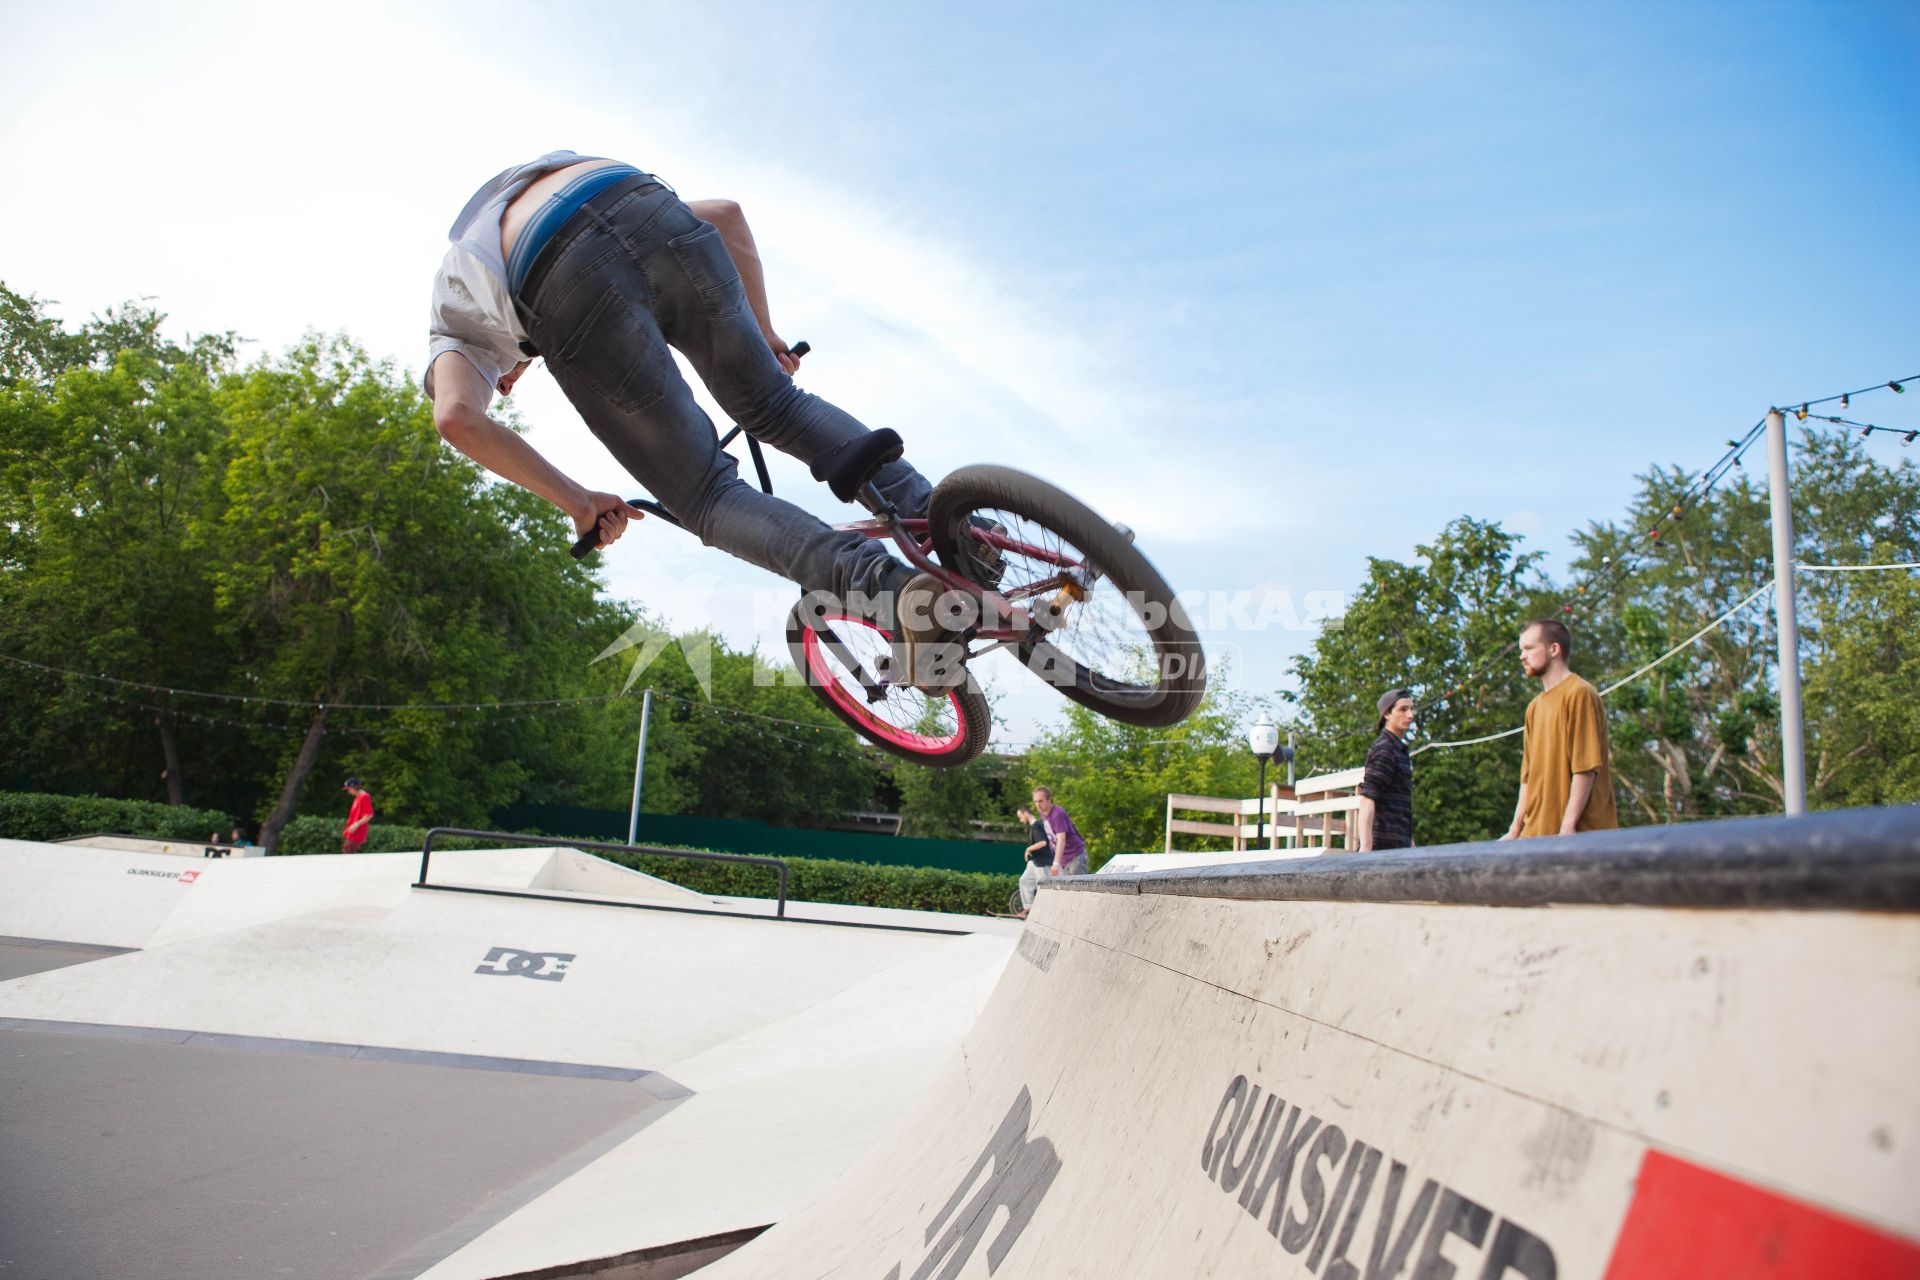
(1387, 700)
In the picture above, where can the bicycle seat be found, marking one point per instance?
(847, 469)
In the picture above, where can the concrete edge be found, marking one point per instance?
(660, 1086)
(1846, 860)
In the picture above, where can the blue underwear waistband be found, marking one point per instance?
(554, 214)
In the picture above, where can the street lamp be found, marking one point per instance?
(1263, 740)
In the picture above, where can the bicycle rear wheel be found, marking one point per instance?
(843, 660)
(1110, 633)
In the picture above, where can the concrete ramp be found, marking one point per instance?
(1643, 1055)
(305, 1067)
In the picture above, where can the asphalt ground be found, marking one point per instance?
(133, 1154)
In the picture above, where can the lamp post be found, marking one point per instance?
(1263, 740)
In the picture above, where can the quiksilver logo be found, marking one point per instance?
(1267, 1151)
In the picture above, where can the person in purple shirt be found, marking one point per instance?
(1069, 850)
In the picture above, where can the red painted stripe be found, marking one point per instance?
(1690, 1223)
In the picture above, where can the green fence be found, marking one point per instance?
(731, 835)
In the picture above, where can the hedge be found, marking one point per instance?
(859, 884)
(29, 816)
(33, 815)
(322, 835)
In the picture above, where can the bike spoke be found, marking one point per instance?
(1102, 632)
(902, 713)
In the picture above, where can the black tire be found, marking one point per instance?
(944, 731)
(1132, 614)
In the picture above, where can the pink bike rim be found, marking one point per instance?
(818, 667)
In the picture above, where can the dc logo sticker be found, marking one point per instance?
(511, 962)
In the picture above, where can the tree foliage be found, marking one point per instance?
(292, 533)
(1696, 736)
(1438, 627)
(1114, 779)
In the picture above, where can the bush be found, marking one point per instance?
(322, 835)
(32, 815)
(858, 884)
(28, 816)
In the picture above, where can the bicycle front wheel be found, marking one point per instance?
(1109, 632)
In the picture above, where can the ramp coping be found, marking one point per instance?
(1847, 860)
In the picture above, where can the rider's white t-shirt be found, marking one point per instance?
(472, 311)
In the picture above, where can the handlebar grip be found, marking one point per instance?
(799, 349)
(589, 542)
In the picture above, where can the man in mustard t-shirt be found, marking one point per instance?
(1565, 782)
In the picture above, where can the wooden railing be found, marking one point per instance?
(1320, 811)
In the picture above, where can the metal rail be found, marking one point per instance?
(600, 846)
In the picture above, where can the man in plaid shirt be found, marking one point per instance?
(1386, 792)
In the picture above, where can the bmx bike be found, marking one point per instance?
(1063, 590)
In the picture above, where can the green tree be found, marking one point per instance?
(112, 449)
(1860, 632)
(943, 804)
(1445, 628)
(294, 536)
(358, 561)
(1700, 736)
(761, 747)
(1114, 779)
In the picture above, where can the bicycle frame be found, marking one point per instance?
(910, 535)
(1006, 622)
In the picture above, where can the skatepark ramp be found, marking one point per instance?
(1639, 1055)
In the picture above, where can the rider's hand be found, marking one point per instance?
(778, 345)
(609, 511)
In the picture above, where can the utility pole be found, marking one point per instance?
(640, 764)
(1793, 757)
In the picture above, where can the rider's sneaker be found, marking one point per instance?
(933, 657)
(989, 563)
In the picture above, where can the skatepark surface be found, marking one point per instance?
(1643, 1055)
(1657, 1053)
(308, 1067)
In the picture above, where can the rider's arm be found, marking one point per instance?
(460, 400)
(1363, 826)
(731, 223)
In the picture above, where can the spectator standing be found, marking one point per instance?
(1039, 857)
(359, 817)
(1566, 781)
(1385, 820)
(1069, 850)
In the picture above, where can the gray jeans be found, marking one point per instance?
(635, 272)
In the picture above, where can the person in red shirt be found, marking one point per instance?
(359, 818)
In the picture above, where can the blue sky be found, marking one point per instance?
(1282, 286)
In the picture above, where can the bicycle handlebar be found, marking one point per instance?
(589, 542)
